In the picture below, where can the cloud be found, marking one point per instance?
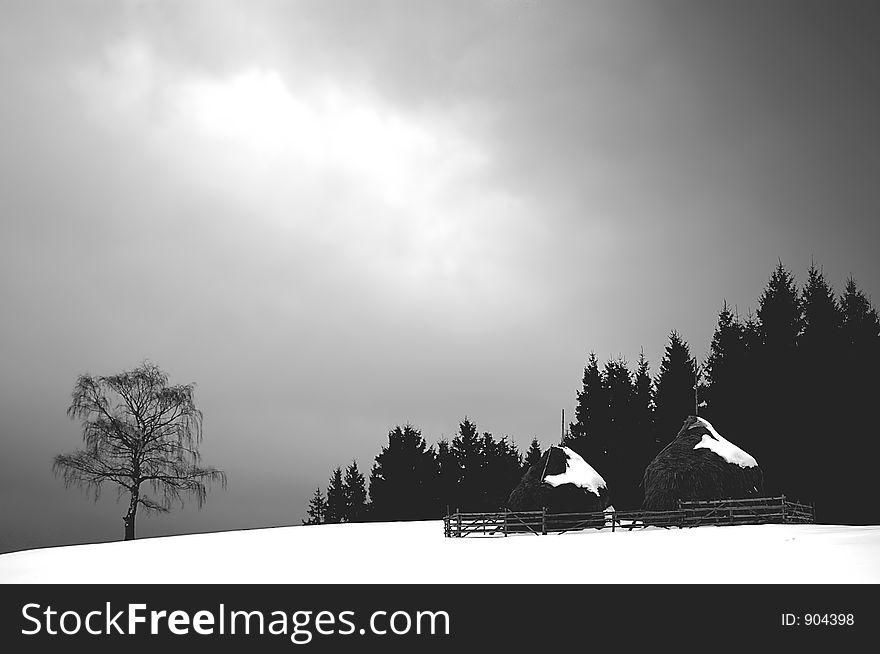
(393, 195)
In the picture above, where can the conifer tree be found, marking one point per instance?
(501, 471)
(533, 455)
(728, 333)
(643, 404)
(317, 509)
(751, 333)
(403, 478)
(859, 388)
(335, 511)
(448, 474)
(615, 462)
(751, 388)
(725, 372)
(674, 396)
(587, 434)
(861, 325)
(776, 380)
(468, 450)
(779, 311)
(619, 391)
(355, 493)
(644, 447)
(817, 382)
(822, 318)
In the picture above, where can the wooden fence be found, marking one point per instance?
(760, 510)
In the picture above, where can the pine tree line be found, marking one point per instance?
(795, 386)
(792, 384)
(346, 499)
(411, 481)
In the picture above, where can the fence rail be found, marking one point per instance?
(761, 510)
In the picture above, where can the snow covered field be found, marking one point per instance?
(417, 552)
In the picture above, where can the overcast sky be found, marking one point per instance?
(336, 217)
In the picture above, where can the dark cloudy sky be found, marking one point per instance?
(335, 217)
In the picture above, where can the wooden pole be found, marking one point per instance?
(562, 430)
(543, 520)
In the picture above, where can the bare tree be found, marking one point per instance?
(142, 435)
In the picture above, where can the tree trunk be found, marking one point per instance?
(128, 520)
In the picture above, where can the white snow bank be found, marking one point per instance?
(395, 552)
(724, 448)
(577, 472)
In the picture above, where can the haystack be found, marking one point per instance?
(561, 482)
(700, 464)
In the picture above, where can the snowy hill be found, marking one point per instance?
(417, 552)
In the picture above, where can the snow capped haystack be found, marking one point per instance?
(562, 482)
(700, 464)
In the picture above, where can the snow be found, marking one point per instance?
(577, 472)
(724, 448)
(397, 552)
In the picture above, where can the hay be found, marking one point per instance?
(681, 472)
(533, 494)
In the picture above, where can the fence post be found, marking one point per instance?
(458, 515)
(543, 520)
(505, 521)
